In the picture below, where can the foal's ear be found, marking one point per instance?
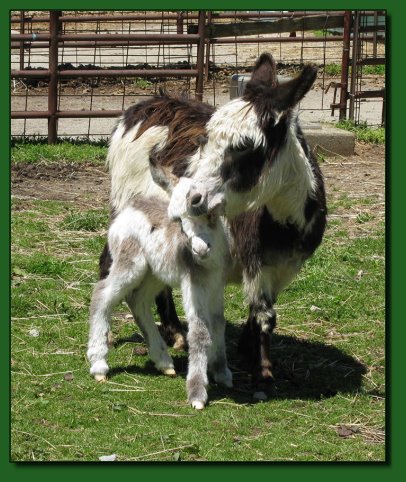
(288, 94)
(217, 203)
(265, 70)
(161, 176)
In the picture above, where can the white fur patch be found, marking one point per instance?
(229, 126)
(283, 186)
(128, 163)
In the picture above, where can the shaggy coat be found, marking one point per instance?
(253, 150)
(149, 250)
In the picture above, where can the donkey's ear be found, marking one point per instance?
(288, 94)
(265, 70)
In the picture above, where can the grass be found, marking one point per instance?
(335, 69)
(34, 152)
(142, 83)
(328, 400)
(363, 132)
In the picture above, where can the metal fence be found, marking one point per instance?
(72, 72)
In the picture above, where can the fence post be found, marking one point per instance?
(22, 30)
(207, 41)
(345, 63)
(200, 56)
(355, 57)
(53, 76)
(179, 23)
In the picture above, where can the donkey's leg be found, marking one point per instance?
(262, 291)
(255, 340)
(171, 327)
(106, 295)
(140, 302)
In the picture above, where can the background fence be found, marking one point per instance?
(73, 72)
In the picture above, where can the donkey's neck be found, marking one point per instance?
(291, 182)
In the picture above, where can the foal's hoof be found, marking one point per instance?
(100, 378)
(169, 372)
(180, 342)
(198, 405)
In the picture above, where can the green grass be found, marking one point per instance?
(34, 152)
(142, 83)
(329, 348)
(363, 132)
(335, 69)
(92, 220)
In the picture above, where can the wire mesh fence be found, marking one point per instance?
(74, 71)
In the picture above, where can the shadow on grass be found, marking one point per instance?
(305, 370)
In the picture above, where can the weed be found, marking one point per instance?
(363, 132)
(92, 220)
(142, 83)
(334, 70)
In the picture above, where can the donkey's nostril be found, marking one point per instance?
(196, 199)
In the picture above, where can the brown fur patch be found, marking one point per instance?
(156, 212)
(129, 249)
(154, 209)
(186, 120)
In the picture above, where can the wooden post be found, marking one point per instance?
(200, 55)
(207, 40)
(345, 64)
(22, 30)
(53, 76)
(355, 57)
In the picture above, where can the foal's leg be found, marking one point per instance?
(107, 294)
(203, 301)
(199, 341)
(171, 327)
(218, 366)
(140, 302)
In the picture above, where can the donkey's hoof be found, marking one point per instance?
(180, 342)
(169, 372)
(198, 404)
(100, 378)
(267, 375)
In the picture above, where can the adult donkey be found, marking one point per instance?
(253, 150)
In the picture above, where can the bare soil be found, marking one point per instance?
(355, 186)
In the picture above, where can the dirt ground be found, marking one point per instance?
(357, 181)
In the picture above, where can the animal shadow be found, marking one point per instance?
(303, 369)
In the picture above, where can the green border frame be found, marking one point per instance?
(395, 167)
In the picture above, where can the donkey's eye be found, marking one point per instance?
(242, 166)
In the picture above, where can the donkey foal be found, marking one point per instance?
(154, 244)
